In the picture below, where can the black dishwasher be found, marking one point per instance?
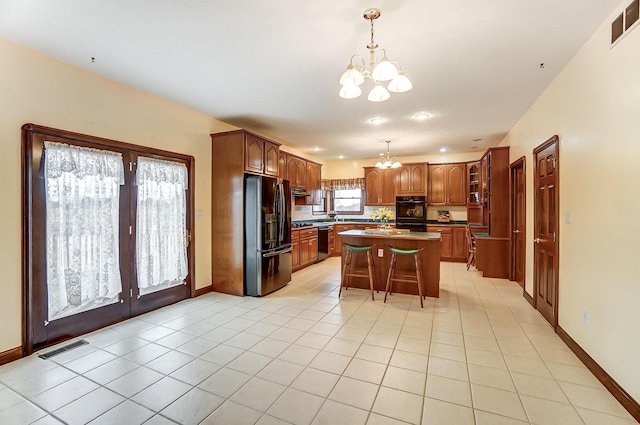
(323, 242)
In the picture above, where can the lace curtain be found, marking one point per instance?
(82, 199)
(161, 249)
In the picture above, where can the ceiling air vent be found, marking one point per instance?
(625, 22)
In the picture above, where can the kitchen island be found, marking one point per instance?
(405, 265)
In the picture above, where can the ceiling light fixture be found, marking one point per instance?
(388, 161)
(376, 120)
(443, 149)
(421, 116)
(379, 71)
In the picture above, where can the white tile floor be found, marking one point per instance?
(477, 355)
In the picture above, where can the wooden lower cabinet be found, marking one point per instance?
(332, 241)
(454, 246)
(295, 245)
(307, 248)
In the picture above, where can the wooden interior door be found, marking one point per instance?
(518, 215)
(546, 266)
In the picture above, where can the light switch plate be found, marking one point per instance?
(380, 252)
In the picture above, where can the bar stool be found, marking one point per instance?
(344, 281)
(392, 271)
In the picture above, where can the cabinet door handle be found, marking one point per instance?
(536, 240)
(516, 231)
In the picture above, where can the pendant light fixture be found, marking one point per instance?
(387, 161)
(380, 70)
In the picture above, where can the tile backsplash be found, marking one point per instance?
(303, 212)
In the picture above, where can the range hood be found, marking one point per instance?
(299, 192)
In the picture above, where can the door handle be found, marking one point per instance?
(537, 240)
(516, 231)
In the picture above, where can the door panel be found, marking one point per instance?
(518, 222)
(546, 269)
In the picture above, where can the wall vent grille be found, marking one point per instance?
(625, 22)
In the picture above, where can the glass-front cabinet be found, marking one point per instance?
(473, 176)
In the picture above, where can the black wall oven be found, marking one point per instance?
(411, 213)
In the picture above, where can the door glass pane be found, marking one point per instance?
(82, 197)
(161, 243)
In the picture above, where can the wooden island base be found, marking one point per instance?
(405, 265)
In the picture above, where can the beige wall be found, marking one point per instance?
(41, 90)
(344, 168)
(594, 107)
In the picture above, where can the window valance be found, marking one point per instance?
(343, 184)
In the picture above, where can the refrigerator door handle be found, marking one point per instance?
(276, 253)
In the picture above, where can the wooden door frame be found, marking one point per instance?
(29, 274)
(556, 269)
(520, 162)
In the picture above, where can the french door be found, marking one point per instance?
(42, 325)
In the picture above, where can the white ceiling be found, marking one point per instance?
(273, 66)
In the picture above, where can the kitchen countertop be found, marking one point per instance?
(406, 236)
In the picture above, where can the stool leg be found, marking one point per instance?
(343, 280)
(392, 266)
(375, 275)
(419, 277)
(370, 269)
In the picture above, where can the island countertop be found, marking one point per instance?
(430, 242)
(404, 236)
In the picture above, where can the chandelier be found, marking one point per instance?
(380, 70)
(387, 161)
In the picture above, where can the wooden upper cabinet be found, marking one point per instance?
(411, 179)
(379, 186)
(313, 183)
(447, 184)
(457, 184)
(260, 155)
(473, 183)
(253, 154)
(297, 172)
(437, 185)
(271, 156)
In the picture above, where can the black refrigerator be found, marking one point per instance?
(267, 234)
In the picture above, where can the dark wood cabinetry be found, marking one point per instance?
(453, 242)
(260, 155)
(379, 186)
(332, 241)
(308, 246)
(495, 193)
(447, 184)
(493, 258)
(234, 153)
(313, 183)
(282, 165)
(411, 179)
(295, 249)
(297, 172)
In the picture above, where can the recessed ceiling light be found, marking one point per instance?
(421, 116)
(443, 149)
(317, 149)
(376, 120)
(340, 156)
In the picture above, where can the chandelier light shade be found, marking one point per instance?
(380, 70)
(387, 161)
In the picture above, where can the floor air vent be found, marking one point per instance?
(63, 349)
